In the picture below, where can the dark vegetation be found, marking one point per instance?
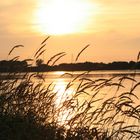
(28, 109)
(22, 66)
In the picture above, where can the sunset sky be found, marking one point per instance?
(111, 27)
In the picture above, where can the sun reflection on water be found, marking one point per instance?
(59, 72)
(63, 94)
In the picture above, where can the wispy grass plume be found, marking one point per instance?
(17, 46)
(81, 52)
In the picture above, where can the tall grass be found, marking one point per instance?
(28, 109)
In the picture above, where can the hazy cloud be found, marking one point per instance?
(15, 15)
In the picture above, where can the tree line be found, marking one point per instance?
(23, 66)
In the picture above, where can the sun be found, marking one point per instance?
(57, 17)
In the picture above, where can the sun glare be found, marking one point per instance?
(60, 87)
(64, 16)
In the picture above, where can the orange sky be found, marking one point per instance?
(110, 27)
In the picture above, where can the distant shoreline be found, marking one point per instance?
(23, 66)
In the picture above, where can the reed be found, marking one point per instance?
(28, 109)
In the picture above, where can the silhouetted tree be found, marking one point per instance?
(39, 62)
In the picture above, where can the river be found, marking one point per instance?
(61, 78)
